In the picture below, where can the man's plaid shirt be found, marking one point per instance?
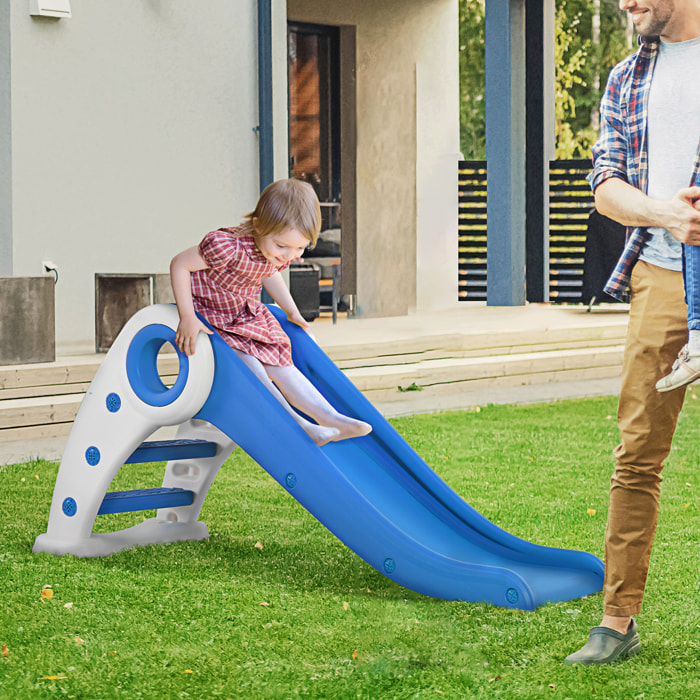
(621, 149)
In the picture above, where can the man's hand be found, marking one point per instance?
(629, 206)
(683, 216)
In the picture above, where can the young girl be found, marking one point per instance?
(222, 279)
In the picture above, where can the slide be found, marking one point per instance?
(381, 499)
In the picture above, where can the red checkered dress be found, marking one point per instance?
(227, 294)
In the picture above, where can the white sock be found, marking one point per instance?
(694, 342)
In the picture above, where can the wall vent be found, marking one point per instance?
(50, 8)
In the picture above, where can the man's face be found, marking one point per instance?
(651, 17)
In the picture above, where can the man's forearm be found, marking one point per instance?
(629, 206)
(620, 201)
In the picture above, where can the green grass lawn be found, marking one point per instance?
(303, 616)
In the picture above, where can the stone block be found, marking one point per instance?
(27, 320)
(118, 296)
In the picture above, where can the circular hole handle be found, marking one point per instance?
(142, 366)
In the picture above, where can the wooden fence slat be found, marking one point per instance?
(570, 199)
(472, 231)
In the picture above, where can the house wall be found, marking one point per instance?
(131, 135)
(5, 145)
(127, 132)
(407, 148)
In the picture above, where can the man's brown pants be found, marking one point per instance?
(656, 332)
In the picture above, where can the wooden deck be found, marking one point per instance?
(422, 362)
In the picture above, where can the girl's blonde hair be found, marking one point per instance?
(285, 204)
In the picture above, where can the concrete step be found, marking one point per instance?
(476, 344)
(64, 376)
(464, 374)
(40, 401)
(415, 372)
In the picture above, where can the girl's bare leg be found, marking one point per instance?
(300, 392)
(320, 434)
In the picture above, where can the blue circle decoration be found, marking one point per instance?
(291, 480)
(92, 455)
(142, 366)
(512, 595)
(389, 565)
(114, 402)
(70, 507)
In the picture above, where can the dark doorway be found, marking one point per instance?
(322, 144)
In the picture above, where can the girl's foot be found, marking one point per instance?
(686, 369)
(321, 434)
(351, 428)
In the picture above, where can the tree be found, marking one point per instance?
(582, 67)
(472, 121)
(584, 55)
(570, 57)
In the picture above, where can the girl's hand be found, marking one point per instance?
(186, 335)
(296, 317)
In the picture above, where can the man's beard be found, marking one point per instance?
(656, 19)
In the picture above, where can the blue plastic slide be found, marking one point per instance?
(381, 499)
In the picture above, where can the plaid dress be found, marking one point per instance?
(227, 294)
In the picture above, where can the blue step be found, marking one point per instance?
(165, 450)
(145, 499)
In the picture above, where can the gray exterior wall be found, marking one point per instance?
(131, 136)
(5, 143)
(127, 132)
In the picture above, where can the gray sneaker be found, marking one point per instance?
(686, 369)
(605, 646)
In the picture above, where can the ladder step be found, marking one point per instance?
(165, 450)
(145, 499)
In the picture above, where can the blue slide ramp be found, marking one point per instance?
(381, 499)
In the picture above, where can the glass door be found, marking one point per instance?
(314, 123)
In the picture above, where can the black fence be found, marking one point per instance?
(570, 202)
(472, 230)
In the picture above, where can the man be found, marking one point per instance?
(647, 155)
